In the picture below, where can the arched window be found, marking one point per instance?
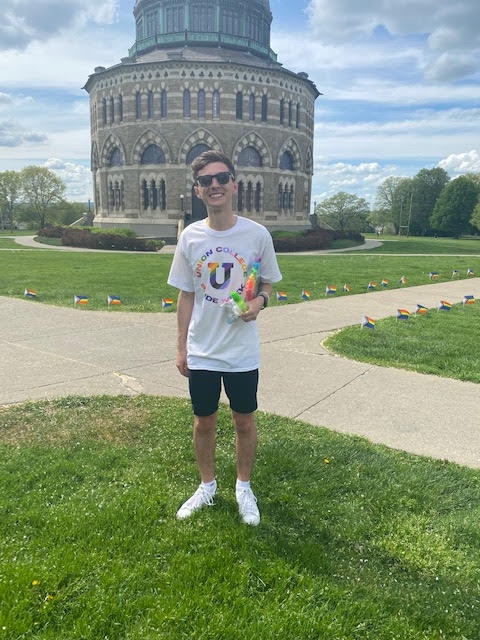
(112, 109)
(249, 157)
(120, 108)
(258, 196)
(153, 154)
(251, 106)
(216, 104)
(239, 105)
(240, 197)
(264, 108)
(150, 104)
(201, 103)
(286, 161)
(196, 151)
(104, 111)
(290, 113)
(186, 103)
(282, 111)
(297, 117)
(138, 105)
(163, 104)
(116, 159)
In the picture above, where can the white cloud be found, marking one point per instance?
(461, 163)
(443, 30)
(24, 21)
(77, 178)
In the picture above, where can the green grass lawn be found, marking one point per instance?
(356, 542)
(140, 280)
(443, 343)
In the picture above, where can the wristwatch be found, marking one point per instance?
(266, 298)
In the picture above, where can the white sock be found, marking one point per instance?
(211, 487)
(242, 485)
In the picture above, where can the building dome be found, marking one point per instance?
(200, 75)
(231, 24)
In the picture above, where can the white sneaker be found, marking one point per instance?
(247, 507)
(200, 498)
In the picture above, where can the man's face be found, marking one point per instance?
(216, 194)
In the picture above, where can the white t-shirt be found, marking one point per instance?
(213, 264)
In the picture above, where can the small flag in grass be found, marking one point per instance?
(167, 303)
(115, 300)
(403, 314)
(372, 285)
(470, 272)
(403, 280)
(455, 273)
(368, 322)
(468, 300)
(282, 296)
(443, 305)
(421, 309)
(330, 290)
(384, 282)
(30, 293)
(347, 288)
(305, 294)
(80, 299)
(433, 275)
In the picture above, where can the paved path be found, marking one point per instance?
(49, 352)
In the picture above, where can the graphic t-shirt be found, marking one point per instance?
(212, 264)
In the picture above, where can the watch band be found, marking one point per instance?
(266, 298)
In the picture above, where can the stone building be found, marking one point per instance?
(200, 75)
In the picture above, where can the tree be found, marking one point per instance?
(344, 212)
(387, 203)
(10, 195)
(426, 188)
(455, 206)
(42, 189)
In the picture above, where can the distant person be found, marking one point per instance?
(212, 259)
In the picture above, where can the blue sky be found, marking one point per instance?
(400, 84)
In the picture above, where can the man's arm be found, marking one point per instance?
(185, 302)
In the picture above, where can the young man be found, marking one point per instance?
(213, 258)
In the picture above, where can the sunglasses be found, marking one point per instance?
(222, 178)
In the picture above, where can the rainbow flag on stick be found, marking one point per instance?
(330, 290)
(403, 314)
(443, 305)
(403, 280)
(167, 303)
(367, 322)
(347, 288)
(282, 296)
(113, 300)
(372, 285)
(421, 309)
(468, 300)
(80, 300)
(30, 293)
(305, 294)
(384, 282)
(433, 275)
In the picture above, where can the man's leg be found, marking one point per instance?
(246, 443)
(204, 438)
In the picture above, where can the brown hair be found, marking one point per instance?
(207, 157)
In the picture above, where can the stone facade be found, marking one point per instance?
(153, 113)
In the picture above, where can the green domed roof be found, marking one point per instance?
(231, 24)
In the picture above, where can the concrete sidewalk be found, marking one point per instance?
(49, 352)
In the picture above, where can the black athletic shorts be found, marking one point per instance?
(205, 388)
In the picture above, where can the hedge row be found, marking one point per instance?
(313, 239)
(87, 240)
